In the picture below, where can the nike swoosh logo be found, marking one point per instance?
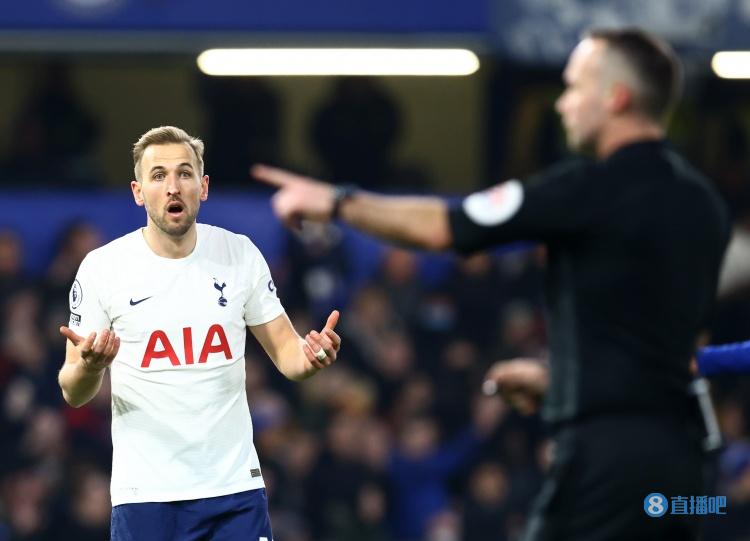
(133, 303)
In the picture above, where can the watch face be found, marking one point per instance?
(341, 193)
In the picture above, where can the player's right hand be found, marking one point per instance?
(521, 382)
(96, 354)
(322, 348)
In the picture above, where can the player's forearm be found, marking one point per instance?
(417, 222)
(78, 384)
(293, 363)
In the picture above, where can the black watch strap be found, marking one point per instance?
(341, 193)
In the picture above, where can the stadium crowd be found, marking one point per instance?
(394, 443)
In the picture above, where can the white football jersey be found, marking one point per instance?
(181, 426)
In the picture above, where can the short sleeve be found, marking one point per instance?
(87, 311)
(263, 304)
(547, 207)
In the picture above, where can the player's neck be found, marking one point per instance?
(170, 246)
(625, 131)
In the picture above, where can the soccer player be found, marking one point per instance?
(634, 239)
(166, 308)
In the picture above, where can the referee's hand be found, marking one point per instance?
(520, 382)
(298, 197)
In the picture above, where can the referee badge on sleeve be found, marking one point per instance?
(496, 205)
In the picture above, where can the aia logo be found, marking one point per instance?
(160, 347)
(222, 299)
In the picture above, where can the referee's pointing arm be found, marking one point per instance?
(418, 222)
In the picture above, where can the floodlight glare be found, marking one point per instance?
(731, 64)
(362, 61)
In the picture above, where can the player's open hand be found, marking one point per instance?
(321, 348)
(298, 197)
(96, 354)
(521, 382)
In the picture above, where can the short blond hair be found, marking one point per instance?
(164, 135)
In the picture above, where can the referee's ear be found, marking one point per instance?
(621, 98)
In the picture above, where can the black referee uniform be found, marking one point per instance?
(634, 248)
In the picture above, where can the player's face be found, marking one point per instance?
(582, 105)
(171, 187)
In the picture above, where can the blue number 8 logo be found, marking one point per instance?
(655, 504)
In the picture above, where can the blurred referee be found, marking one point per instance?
(635, 238)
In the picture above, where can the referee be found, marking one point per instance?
(635, 238)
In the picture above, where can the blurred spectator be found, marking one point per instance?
(456, 377)
(244, 126)
(24, 349)
(90, 426)
(354, 133)
(727, 155)
(379, 342)
(55, 135)
(521, 331)
(316, 276)
(338, 479)
(734, 473)
(11, 264)
(77, 239)
(415, 398)
(398, 277)
(486, 510)
(86, 513)
(25, 494)
(421, 466)
(478, 291)
(445, 526)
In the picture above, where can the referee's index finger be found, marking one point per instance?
(270, 175)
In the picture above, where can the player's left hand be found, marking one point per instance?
(321, 348)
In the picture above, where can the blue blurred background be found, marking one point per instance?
(395, 442)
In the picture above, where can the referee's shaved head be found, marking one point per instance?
(653, 68)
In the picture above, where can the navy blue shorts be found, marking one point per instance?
(242, 516)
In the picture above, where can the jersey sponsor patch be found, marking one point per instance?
(255, 472)
(496, 205)
(75, 319)
(76, 295)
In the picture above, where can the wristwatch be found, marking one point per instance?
(341, 193)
